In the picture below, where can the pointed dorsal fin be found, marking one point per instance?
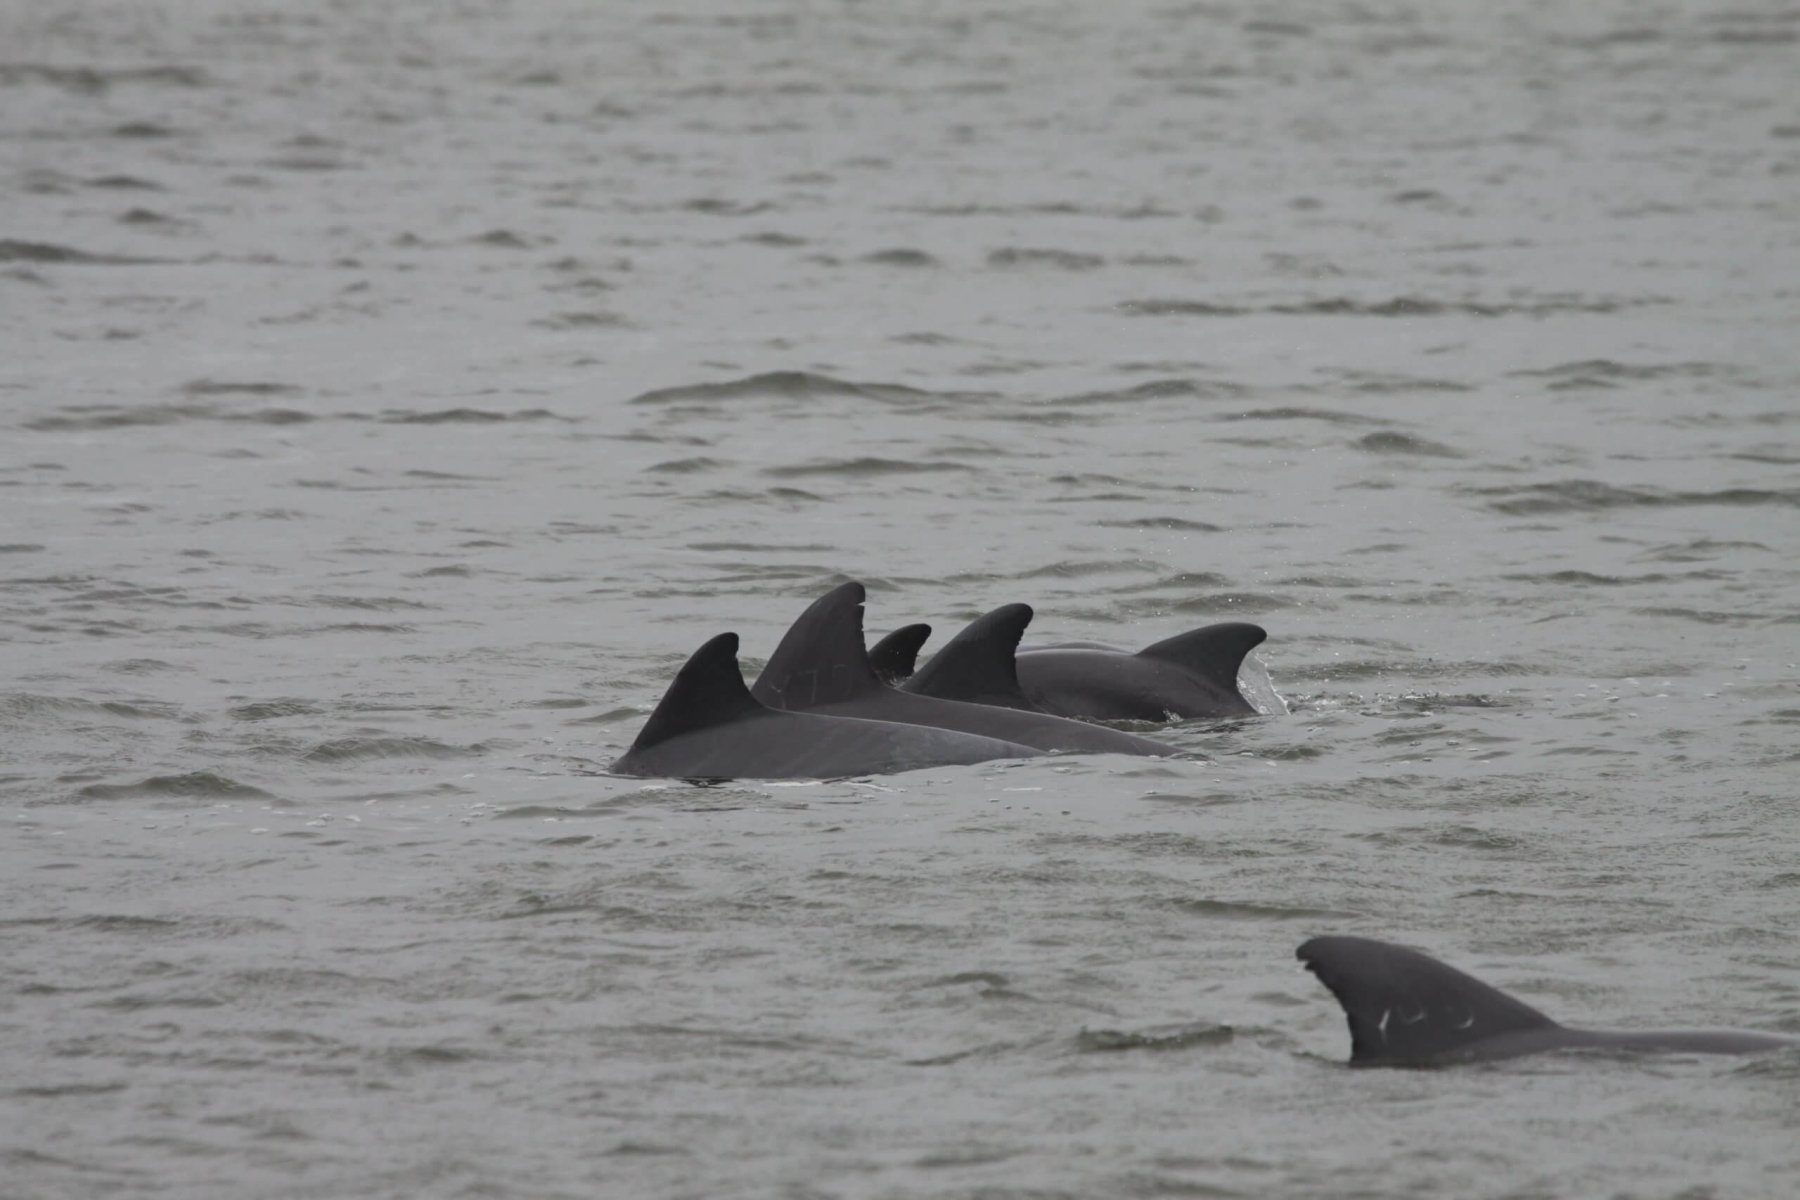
(708, 690)
(1404, 1006)
(1213, 652)
(896, 656)
(977, 665)
(821, 659)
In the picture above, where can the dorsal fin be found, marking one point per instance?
(977, 665)
(896, 656)
(708, 690)
(1404, 1006)
(1213, 652)
(821, 659)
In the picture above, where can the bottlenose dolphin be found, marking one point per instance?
(822, 666)
(1192, 674)
(1408, 1009)
(977, 665)
(893, 656)
(708, 726)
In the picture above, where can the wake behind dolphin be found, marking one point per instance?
(1407, 1009)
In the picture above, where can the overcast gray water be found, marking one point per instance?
(394, 395)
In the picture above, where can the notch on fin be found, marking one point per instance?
(1213, 652)
(821, 659)
(1407, 1007)
(708, 690)
(978, 665)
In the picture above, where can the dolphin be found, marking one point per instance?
(1407, 1009)
(894, 656)
(977, 665)
(708, 726)
(822, 666)
(1192, 674)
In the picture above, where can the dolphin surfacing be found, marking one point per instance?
(1407, 1009)
(822, 666)
(709, 726)
(1192, 674)
(895, 655)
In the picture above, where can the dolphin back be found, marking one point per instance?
(1213, 652)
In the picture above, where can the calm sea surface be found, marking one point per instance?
(394, 394)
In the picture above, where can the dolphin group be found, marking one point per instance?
(829, 706)
(709, 726)
(1191, 675)
(826, 705)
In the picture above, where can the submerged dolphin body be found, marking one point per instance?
(1408, 1009)
(708, 726)
(822, 666)
(1192, 674)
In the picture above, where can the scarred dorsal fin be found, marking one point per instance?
(896, 656)
(708, 690)
(977, 665)
(1404, 1006)
(1213, 652)
(821, 659)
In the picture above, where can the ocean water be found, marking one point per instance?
(395, 394)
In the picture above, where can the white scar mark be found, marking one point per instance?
(1381, 1025)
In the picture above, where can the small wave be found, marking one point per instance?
(231, 387)
(208, 785)
(1155, 389)
(1062, 260)
(1232, 602)
(1295, 413)
(862, 467)
(1591, 579)
(1597, 373)
(901, 257)
(467, 416)
(126, 183)
(265, 710)
(13, 250)
(1398, 306)
(94, 417)
(800, 385)
(14, 705)
(1702, 550)
(1235, 910)
(95, 80)
(1174, 524)
(1388, 442)
(685, 466)
(363, 749)
(1111, 1041)
(1589, 495)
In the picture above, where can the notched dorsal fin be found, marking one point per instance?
(1214, 652)
(708, 690)
(978, 664)
(821, 659)
(896, 656)
(1404, 1006)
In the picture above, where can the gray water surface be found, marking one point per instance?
(396, 394)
